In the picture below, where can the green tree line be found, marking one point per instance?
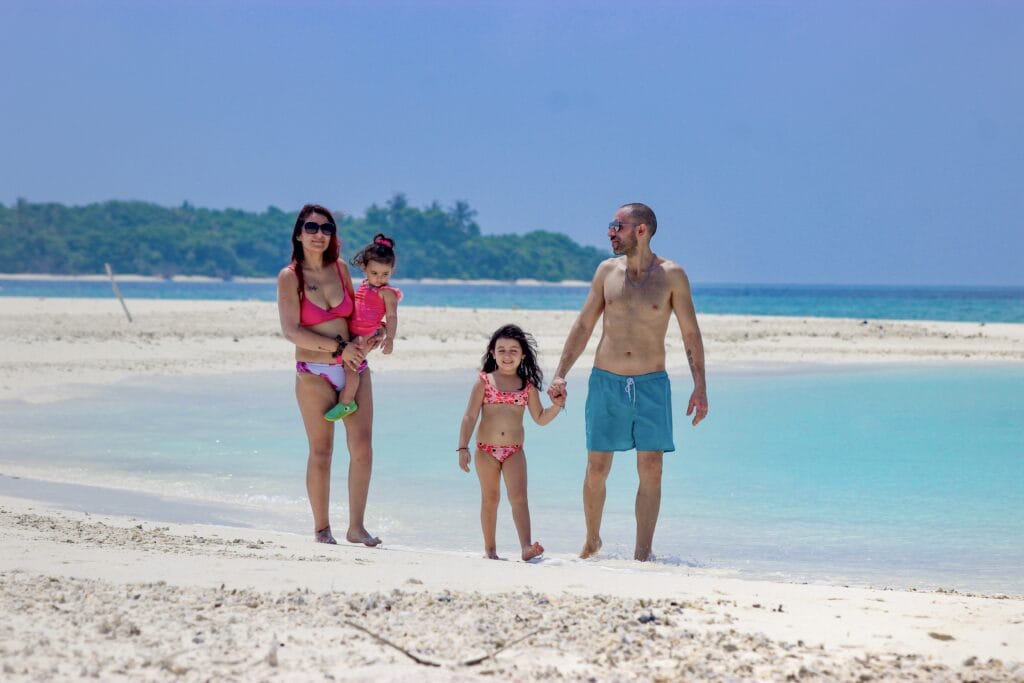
(144, 238)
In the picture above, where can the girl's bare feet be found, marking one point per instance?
(362, 536)
(491, 554)
(590, 548)
(532, 551)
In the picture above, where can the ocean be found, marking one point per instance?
(901, 477)
(969, 304)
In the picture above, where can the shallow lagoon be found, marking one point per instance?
(885, 476)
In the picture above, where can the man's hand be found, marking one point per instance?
(699, 403)
(558, 392)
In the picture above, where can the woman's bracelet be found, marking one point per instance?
(462, 448)
(341, 347)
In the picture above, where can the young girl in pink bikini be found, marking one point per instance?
(509, 385)
(375, 301)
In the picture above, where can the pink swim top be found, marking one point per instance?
(369, 308)
(493, 395)
(311, 314)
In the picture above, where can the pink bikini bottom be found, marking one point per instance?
(334, 373)
(500, 453)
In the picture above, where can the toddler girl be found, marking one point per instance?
(374, 300)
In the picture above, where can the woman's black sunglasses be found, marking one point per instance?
(312, 228)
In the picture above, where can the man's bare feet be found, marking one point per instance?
(325, 536)
(491, 554)
(643, 555)
(590, 548)
(362, 536)
(532, 551)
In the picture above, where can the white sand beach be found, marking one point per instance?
(101, 597)
(115, 598)
(52, 346)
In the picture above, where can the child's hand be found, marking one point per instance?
(371, 342)
(558, 389)
(388, 347)
(559, 400)
(464, 459)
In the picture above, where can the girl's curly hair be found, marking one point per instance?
(528, 370)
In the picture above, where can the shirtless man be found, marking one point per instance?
(629, 405)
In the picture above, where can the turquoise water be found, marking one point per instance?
(973, 304)
(887, 477)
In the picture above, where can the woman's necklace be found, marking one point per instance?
(647, 273)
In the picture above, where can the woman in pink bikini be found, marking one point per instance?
(314, 301)
(509, 384)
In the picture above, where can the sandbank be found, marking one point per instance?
(117, 597)
(55, 347)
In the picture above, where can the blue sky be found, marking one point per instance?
(778, 142)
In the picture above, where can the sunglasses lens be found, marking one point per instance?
(313, 228)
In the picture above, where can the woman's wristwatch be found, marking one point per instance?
(341, 347)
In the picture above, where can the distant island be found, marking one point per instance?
(148, 239)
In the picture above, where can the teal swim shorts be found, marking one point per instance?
(624, 413)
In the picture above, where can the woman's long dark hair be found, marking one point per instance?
(330, 254)
(528, 370)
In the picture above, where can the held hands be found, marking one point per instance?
(558, 392)
(559, 401)
(698, 402)
(464, 459)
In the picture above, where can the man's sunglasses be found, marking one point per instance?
(616, 225)
(312, 228)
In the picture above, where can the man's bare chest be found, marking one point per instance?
(649, 299)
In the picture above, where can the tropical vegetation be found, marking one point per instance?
(148, 239)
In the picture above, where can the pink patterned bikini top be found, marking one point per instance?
(493, 395)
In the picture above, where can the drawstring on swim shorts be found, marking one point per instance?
(631, 387)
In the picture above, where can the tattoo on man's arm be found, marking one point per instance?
(689, 358)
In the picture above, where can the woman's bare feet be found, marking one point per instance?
(491, 554)
(362, 536)
(532, 551)
(590, 548)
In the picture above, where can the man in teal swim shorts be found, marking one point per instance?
(629, 403)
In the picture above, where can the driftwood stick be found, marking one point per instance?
(426, 662)
(385, 641)
(480, 660)
(117, 290)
